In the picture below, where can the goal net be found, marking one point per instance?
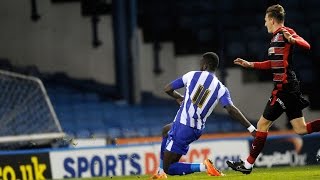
(26, 113)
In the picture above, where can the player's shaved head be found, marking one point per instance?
(210, 61)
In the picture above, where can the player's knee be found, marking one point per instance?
(166, 169)
(263, 124)
(301, 130)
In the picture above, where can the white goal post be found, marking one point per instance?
(26, 112)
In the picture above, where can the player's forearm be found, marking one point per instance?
(236, 114)
(175, 94)
(299, 41)
(262, 65)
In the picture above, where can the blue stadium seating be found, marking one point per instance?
(237, 49)
(84, 115)
(311, 6)
(291, 5)
(256, 49)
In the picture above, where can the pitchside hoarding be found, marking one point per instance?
(136, 160)
(291, 150)
(285, 150)
(25, 166)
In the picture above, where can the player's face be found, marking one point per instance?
(268, 23)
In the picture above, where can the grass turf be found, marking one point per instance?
(281, 173)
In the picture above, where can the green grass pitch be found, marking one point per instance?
(281, 173)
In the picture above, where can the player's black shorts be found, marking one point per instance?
(291, 103)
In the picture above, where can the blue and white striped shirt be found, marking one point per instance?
(203, 92)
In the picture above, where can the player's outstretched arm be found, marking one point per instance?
(236, 114)
(243, 63)
(255, 65)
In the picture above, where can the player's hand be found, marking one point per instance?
(288, 36)
(253, 133)
(243, 63)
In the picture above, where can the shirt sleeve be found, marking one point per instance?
(226, 99)
(182, 81)
(177, 84)
(299, 40)
(262, 65)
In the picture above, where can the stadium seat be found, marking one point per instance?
(226, 126)
(236, 49)
(83, 133)
(194, 7)
(315, 29)
(156, 130)
(295, 18)
(303, 32)
(70, 132)
(91, 97)
(315, 48)
(305, 75)
(252, 32)
(311, 6)
(205, 35)
(67, 123)
(234, 34)
(129, 131)
(143, 131)
(250, 6)
(292, 5)
(114, 132)
(211, 127)
(311, 17)
(99, 133)
(225, 6)
(257, 49)
(301, 61)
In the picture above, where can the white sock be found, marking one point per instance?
(160, 170)
(202, 167)
(247, 165)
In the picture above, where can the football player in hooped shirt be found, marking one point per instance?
(286, 96)
(203, 92)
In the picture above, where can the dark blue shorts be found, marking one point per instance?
(180, 136)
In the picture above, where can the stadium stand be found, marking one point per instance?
(84, 114)
(87, 108)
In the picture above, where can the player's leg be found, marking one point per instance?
(170, 158)
(271, 113)
(165, 131)
(172, 166)
(295, 104)
(180, 136)
(160, 173)
(313, 126)
(300, 126)
(256, 147)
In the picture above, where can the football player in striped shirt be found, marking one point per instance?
(286, 96)
(203, 92)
